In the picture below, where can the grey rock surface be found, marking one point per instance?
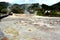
(31, 27)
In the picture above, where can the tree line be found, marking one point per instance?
(20, 8)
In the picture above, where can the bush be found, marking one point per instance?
(4, 10)
(16, 9)
(39, 12)
(54, 14)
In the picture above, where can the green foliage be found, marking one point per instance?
(4, 10)
(39, 12)
(54, 14)
(16, 9)
(44, 6)
(33, 7)
(56, 6)
(3, 6)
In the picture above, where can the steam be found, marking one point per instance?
(26, 12)
(9, 8)
(26, 7)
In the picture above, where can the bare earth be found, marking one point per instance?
(30, 27)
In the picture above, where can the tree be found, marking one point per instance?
(16, 9)
(34, 7)
(3, 5)
(4, 10)
(56, 6)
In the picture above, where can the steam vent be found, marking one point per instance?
(29, 27)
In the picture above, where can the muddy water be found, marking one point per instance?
(31, 27)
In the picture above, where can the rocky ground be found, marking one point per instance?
(30, 27)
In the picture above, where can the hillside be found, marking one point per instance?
(57, 6)
(35, 8)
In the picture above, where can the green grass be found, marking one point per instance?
(52, 14)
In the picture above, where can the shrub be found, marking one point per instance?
(4, 10)
(54, 13)
(39, 12)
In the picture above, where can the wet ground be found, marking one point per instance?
(30, 27)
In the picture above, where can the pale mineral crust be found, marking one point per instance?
(30, 27)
